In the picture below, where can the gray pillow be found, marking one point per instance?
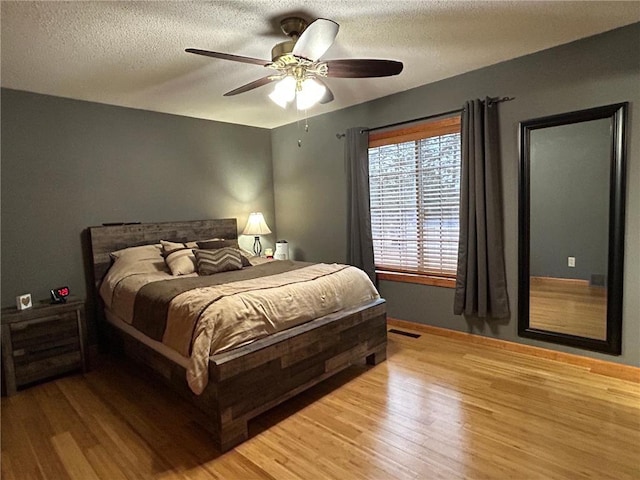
(217, 243)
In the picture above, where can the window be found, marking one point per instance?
(414, 182)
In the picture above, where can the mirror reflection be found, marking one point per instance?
(569, 202)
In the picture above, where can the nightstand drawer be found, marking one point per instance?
(34, 334)
(33, 371)
(38, 351)
(35, 322)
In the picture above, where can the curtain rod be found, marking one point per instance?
(428, 117)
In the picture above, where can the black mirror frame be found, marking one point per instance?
(617, 113)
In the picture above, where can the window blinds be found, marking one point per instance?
(414, 178)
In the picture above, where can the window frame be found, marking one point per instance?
(432, 128)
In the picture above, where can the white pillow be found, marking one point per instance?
(167, 246)
(142, 252)
(181, 262)
(179, 257)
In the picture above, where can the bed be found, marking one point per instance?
(253, 375)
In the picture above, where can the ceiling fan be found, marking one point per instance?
(297, 67)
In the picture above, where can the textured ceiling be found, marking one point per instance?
(132, 53)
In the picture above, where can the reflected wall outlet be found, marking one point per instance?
(571, 261)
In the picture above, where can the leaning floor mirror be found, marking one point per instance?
(571, 228)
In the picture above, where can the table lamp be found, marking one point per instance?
(256, 226)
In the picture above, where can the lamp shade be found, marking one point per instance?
(284, 91)
(256, 225)
(310, 94)
(307, 92)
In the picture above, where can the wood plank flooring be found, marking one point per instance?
(438, 408)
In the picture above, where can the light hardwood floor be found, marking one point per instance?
(438, 408)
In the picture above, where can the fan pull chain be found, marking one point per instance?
(306, 128)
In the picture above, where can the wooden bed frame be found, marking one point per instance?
(251, 379)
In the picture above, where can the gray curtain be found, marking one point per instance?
(360, 243)
(481, 287)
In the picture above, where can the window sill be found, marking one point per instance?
(416, 278)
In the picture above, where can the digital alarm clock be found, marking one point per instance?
(59, 295)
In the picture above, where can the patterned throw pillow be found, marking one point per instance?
(216, 261)
(218, 243)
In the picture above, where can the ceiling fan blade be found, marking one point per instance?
(316, 39)
(251, 85)
(363, 68)
(328, 94)
(228, 56)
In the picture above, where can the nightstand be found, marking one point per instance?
(42, 342)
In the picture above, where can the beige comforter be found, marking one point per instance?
(244, 311)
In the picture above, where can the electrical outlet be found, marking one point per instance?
(571, 261)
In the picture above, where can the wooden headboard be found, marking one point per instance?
(109, 238)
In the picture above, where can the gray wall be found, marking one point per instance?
(569, 199)
(68, 165)
(310, 185)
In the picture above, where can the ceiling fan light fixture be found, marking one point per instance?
(284, 92)
(310, 94)
(299, 69)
